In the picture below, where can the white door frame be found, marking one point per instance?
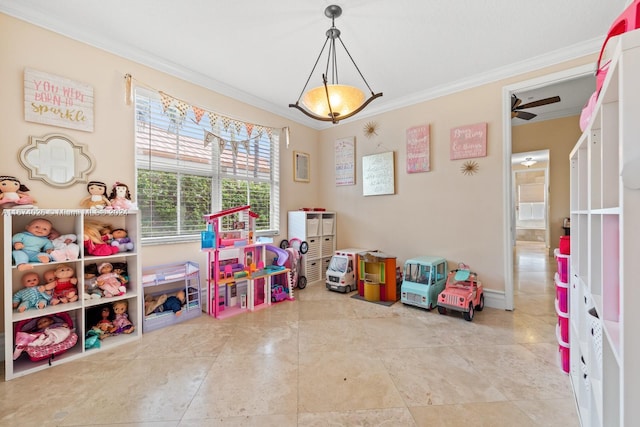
(509, 230)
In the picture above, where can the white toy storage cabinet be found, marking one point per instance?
(69, 221)
(318, 229)
(605, 249)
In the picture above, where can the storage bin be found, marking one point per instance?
(565, 245)
(327, 226)
(562, 295)
(312, 271)
(563, 357)
(563, 266)
(327, 246)
(312, 226)
(315, 248)
(562, 329)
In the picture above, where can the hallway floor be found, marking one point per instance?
(323, 360)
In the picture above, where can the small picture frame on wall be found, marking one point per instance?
(301, 167)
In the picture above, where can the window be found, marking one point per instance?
(180, 177)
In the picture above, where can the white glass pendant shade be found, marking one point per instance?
(344, 100)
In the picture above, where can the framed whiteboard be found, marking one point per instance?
(378, 174)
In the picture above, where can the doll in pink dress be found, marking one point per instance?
(111, 283)
(13, 194)
(120, 197)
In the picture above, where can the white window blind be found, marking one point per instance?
(180, 178)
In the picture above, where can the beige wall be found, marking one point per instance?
(442, 212)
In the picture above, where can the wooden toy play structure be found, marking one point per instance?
(377, 279)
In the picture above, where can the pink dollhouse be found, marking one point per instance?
(239, 277)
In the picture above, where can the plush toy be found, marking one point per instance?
(120, 197)
(95, 241)
(121, 322)
(65, 246)
(65, 290)
(13, 194)
(32, 245)
(97, 198)
(111, 284)
(32, 295)
(121, 240)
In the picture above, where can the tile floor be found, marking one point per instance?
(322, 360)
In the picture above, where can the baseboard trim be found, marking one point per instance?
(494, 299)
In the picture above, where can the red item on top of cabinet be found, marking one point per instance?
(565, 245)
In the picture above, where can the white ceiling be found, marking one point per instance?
(261, 52)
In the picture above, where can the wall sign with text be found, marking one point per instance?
(468, 142)
(345, 161)
(378, 174)
(57, 101)
(418, 149)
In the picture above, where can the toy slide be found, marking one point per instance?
(280, 253)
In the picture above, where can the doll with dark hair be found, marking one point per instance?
(13, 194)
(97, 198)
(120, 196)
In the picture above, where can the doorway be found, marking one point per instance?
(509, 199)
(531, 198)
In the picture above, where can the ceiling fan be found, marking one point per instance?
(517, 106)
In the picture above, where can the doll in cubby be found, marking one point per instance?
(121, 321)
(32, 245)
(65, 247)
(111, 283)
(120, 239)
(32, 294)
(96, 235)
(65, 290)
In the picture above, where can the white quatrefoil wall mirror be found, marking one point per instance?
(57, 160)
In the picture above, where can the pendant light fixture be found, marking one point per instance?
(332, 101)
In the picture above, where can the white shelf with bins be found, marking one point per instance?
(318, 229)
(69, 221)
(605, 220)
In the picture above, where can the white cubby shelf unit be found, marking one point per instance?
(605, 248)
(69, 221)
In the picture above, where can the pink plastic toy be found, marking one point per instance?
(463, 292)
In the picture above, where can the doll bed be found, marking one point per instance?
(26, 339)
(169, 279)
